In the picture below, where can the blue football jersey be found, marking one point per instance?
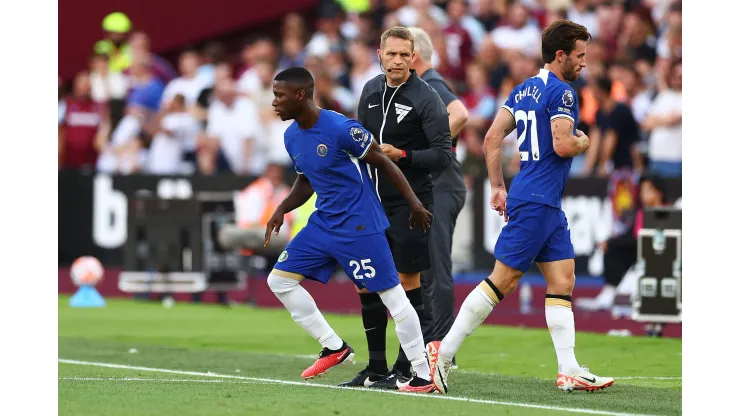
(534, 103)
(330, 155)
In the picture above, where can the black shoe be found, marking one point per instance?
(364, 378)
(393, 381)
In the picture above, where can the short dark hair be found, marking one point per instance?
(562, 35)
(299, 76)
(658, 183)
(399, 32)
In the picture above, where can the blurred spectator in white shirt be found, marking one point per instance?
(261, 91)
(258, 50)
(669, 42)
(328, 33)
(518, 35)
(106, 85)
(582, 12)
(364, 67)
(177, 127)
(410, 14)
(188, 83)
(205, 98)
(230, 143)
(664, 121)
(124, 153)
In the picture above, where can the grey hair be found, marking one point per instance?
(422, 43)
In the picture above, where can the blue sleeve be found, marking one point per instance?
(293, 158)
(354, 139)
(562, 103)
(509, 104)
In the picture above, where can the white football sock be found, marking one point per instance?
(408, 329)
(563, 332)
(304, 311)
(474, 310)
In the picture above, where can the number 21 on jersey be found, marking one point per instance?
(529, 118)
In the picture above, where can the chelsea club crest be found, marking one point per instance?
(283, 256)
(322, 150)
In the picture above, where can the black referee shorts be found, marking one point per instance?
(410, 248)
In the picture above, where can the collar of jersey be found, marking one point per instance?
(408, 81)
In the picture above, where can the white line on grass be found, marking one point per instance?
(313, 357)
(305, 384)
(163, 380)
(649, 378)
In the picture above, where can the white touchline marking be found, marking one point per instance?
(163, 380)
(648, 377)
(306, 384)
(313, 357)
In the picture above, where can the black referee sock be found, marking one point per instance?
(417, 301)
(375, 321)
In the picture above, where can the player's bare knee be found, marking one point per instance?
(561, 285)
(505, 278)
(410, 281)
(282, 282)
(559, 275)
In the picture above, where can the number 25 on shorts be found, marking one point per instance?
(364, 264)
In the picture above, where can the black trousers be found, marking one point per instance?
(436, 282)
(621, 254)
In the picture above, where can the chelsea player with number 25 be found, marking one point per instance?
(332, 155)
(544, 112)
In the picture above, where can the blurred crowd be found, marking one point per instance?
(210, 111)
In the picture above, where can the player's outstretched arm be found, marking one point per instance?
(299, 195)
(503, 124)
(419, 215)
(564, 142)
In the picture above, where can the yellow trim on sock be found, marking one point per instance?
(558, 302)
(489, 292)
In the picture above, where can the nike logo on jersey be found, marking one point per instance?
(401, 111)
(371, 105)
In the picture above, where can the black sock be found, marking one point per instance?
(417, 301)
(375, 321)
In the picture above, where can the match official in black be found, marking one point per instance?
(409, 120)
(449, 199)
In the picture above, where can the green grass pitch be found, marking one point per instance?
(210, 360)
